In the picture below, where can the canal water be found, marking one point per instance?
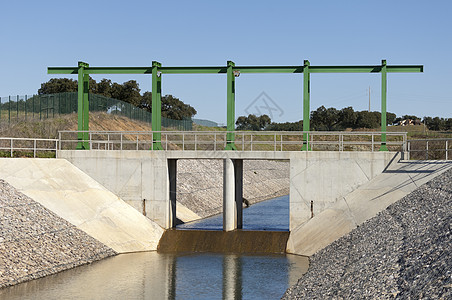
(151, 275)
(272, 214)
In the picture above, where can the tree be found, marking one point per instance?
(449, 124)
(241, 123)
(347, 118)
(128, 92)
(287, 126)
(146, 101)
(435, 123)
(324, 119)
(173, 108)
(104, 88)
(63, 85)
(366, 119)
(252, 122)
(264, 121)
(390, 118)
(58, 85)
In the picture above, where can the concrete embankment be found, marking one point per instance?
(71, 194)
(350, 211)
(35, 242)
(403, 252)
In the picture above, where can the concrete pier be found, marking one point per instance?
(232, 194)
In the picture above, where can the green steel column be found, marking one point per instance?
(230, 136)
(86, 109)
(306, 105)
(156, 106)
(383, 105)
(81, 102)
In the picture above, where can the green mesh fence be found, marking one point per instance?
(15, 109)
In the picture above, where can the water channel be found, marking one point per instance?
(151, 275)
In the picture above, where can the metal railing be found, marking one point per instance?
(244, 140)
(28, 147)
(428, 149)
(438, 149)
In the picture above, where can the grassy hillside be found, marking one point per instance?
(48, 128)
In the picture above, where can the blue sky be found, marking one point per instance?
(38, 34)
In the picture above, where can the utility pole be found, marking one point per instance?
(369, 98)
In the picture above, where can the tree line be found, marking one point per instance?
(332, 119)
(129, 91)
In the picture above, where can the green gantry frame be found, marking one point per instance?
(231, 70)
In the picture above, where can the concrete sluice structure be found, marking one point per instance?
(330, 192)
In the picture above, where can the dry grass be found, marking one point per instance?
(48, 128)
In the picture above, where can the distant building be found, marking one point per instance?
(409, 122)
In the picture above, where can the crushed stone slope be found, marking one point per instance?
(404, 252)
(76, 197)
(398, 180)
(35, 242)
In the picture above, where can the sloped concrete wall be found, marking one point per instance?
(76, 197)
(350, 211)
(320, 179)
(140, 178)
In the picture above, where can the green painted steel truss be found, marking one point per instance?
(83, 70)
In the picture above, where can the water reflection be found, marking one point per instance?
(162, 276)
(232, 277)
(150, 275)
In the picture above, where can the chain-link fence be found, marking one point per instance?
(14, 109)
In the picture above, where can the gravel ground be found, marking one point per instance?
(404, 252)
(200, 183)
(34, 242)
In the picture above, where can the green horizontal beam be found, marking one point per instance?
(119, 70)
(244, 69)
(192, 70)
(101, 70)
(269, 69)
(405, 69)
(364, 69)
(344, 69)
(62, 70)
